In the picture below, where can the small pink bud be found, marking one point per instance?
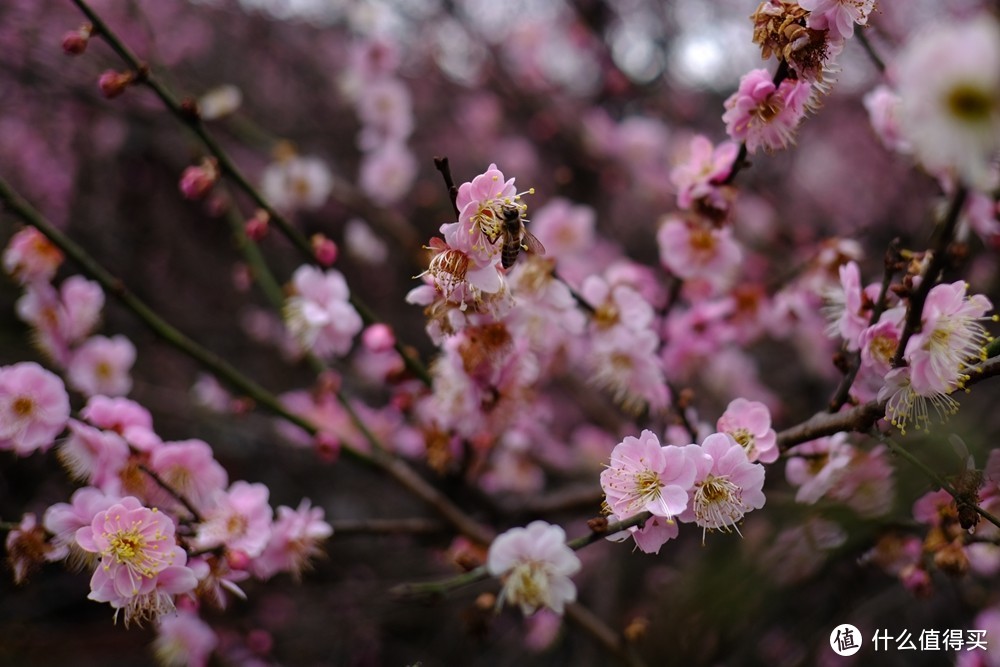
(327, 446)
(196, 181)
(402, 401)
(257, 226)
(237, 560)
(113, 84)
(75, 42)
(326, 251)
(378, 338)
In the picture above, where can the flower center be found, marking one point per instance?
(23, 406)
(702, 241)
(127, 547)
(745, 439)
(526, 585)
(883, 348)
(718, 504)
(647, 485)
(969, 103)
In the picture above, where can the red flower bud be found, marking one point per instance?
(113, 84)
(326, 251)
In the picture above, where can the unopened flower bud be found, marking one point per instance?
(196, 181)
(113, 84)
(326, 251)
(75, 41)
(237, 560)
(327, 446)
(378, 338)
(257, 227)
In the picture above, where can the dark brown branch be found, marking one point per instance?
(843, 392)
(915, 311)
(441, 164)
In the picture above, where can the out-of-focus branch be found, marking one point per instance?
(915, 311)
(843, 391)
(387, 526)
(937, 479)
(612, 641)
(870, 50)
(394, 467)
(436, 589)
(187, 114)
(863, 417)
(174, 493)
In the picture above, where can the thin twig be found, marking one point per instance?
(415, 526)
(870, 50)
(441, 587)
(187, 114)
(914, 313)
(612, 641)
(843, 392)
(441, 164)
(174, 493)
(395, 467)
(937, 479)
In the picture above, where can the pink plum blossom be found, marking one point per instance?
(949, 88)
(27, 548)
(837, 16)
(480, 223)
(297, 183)
(240, 520)
(101, 365)
(749, 424)
(904, 405)
(386, 111)
(703, 172)
(141, 567)
(624, 363)
(695, 251)
(564, 228)
(125, 417)
(535, 565)
(763, 115)
(651, 536)
(184, 640)
(94, 456)
(295, 539)
(645, 477)
(30, 257)
(61, 318)
(847, 306)
(882, 104)
(34, 408)
(727, 485)
(950, 336)
(63, 520)
(832, 468)
(386, 174)
(319, 314)
(189, 467)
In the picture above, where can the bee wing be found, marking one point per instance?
(531, 243)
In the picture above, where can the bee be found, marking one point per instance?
(516, 237)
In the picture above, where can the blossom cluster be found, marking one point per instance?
(158, 522)
(713, 484)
